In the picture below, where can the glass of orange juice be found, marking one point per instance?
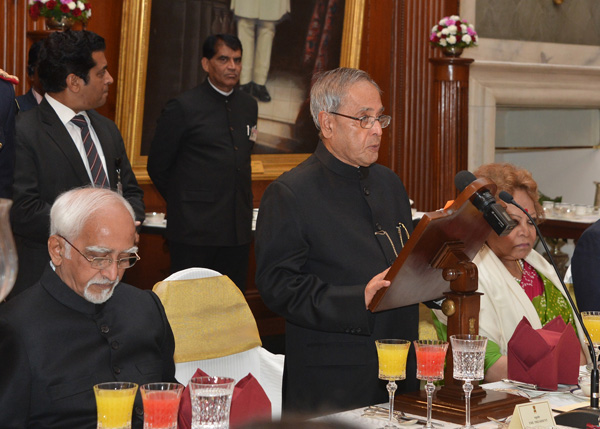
(591, 320)
(392, 355)
(114, 402)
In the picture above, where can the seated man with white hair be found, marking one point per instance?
(79, 325)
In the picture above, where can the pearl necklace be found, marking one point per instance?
(520, 265)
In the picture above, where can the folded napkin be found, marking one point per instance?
(545, 357)
(248, 403)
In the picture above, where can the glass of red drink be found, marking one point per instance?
(161, 405)
(431, 356)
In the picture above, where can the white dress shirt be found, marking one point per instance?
(65, 114)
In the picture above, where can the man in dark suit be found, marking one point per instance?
(200, 163)
(585, 268)
(79, 325)
(63, 144)
(34, 96)
(327, 233)
(8, 110)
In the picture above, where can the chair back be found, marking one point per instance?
(215, 331)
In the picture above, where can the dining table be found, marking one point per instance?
(565, 398)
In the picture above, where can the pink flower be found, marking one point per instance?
(66, 1)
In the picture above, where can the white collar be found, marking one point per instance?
(64, 112)
(218, 90)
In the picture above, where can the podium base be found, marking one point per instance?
(494, 404)
(579, 418)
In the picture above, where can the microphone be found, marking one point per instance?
(484, 201)
(581, 416)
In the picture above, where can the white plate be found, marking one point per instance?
(579, 393)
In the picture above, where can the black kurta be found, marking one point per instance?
(55, 345)
(200, 163)
(323, 232)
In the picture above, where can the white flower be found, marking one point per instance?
(87, 13)
(452, 29)
(31, 2)
(466, 38)
(72, 5)
(463, 28)
(446, 31)
(80, 5)
(451, 40)
(455, 17)
(443, 42)
(439, 35)
(44, 1)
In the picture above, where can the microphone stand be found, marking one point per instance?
(581, 416)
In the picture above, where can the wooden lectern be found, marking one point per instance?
(436, 262)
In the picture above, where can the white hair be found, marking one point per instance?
(72, 209)
(330, 88)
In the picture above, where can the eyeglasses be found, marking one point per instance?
(102, 262)
(367, 122)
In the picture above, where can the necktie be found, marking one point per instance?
(98, 173)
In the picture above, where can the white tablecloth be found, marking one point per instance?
(353, 418)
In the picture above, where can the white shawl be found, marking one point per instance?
(504, 302)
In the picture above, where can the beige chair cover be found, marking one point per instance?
(210, 318)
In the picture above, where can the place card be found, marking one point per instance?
(532, 414)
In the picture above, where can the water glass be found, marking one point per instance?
(548, 207)
(161, 404)
(211, 402)
(114, 402)
(468, 354)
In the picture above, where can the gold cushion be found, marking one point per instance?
(210, 318)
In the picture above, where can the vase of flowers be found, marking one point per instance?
(452, 34)
(60, 14)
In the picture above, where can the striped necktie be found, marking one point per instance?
(98, 173)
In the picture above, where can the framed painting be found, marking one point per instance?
(143, 90)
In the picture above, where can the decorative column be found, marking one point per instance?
(450, 124)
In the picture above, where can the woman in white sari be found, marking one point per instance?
(516, 280)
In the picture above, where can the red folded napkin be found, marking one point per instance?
(248, 403)
(546, 356)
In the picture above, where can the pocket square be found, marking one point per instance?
(544, 357)
(249, 402)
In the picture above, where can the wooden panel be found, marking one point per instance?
(405, 76)
(16, 25)
(449, 140)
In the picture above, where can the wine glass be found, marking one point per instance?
(591, 320)
(468, 353)
(392, 356)
(431, 355)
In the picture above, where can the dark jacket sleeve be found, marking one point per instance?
(8, 109)
(168, 347)
(166, 145)
(285, 285)
(585, 268)
(15, 380)
(131, 190)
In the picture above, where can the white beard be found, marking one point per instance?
(104, 295)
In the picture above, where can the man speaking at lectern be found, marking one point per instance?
(327, 233)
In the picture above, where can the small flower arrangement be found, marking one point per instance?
(76, 10)
(453, 31)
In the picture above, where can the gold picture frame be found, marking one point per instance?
(133, 60)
